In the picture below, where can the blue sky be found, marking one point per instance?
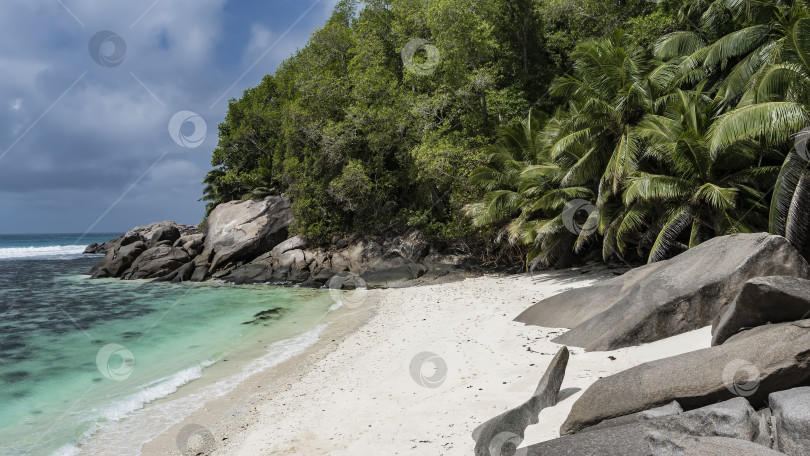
(85, 139)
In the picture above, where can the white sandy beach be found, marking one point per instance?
(357, 395)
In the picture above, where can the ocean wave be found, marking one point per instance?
(50, 252)
(153, 391)
(142, 424)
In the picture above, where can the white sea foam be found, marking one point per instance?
(56, 251)
(151, 392)
(67, 450)
(145, 423)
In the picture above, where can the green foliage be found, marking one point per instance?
(672, 148)
(353, 188)
(361, 142)
(675, 120)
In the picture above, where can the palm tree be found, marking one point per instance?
(610, 93)
(219, 188)
(585, 151)
(769, 87)
(518, 147)
(523, 193)
(698, 193)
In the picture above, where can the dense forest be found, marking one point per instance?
(553, 129)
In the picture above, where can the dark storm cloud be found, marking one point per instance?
(77, 131)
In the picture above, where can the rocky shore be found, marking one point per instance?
(247, 242)
(746, 394)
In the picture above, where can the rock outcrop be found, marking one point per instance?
(375, 262)
(246, 242)
(732, 426)
(762, 301)
(753, 364)
(157, 262)
(122, 253)
(240, 231)
(664, 299)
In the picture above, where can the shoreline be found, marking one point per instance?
(237, 408)
(261, 356)
(356, 390)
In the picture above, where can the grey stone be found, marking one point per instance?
(412, 247)
(191, 243)
(118, 260)
(734, 418)
(168, 233)
(791, 420)
(778, 353)
(719, 429)
(131, 237)
(243, 230)
(764, 300)
(293, 243)
(670, 444)
(184, 273)
(200, 273)
(122, 252)
(505, 432)
(766, 432)
(637, 441)
(392, 270)
(346, 281)
(664, 299)
(250, 274)
(157, 262)
(671, 409)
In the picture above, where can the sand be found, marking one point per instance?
(361, 390)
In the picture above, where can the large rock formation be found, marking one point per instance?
(667, 298)
(732, 426)
(764, 300)
(242, 230)
(123, 252)
(754, 364)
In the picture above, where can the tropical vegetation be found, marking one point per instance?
(560, 130)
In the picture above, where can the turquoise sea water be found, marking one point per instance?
(80, 357)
